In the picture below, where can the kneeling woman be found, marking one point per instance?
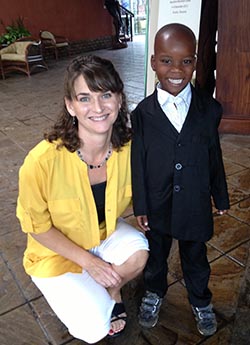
(73, 187)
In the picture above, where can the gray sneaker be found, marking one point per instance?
(206, 320)
(149, 309)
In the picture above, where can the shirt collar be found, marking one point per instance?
(165, 97)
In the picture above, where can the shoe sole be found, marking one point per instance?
(205, 334)
(148, 324)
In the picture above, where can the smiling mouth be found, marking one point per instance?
(175, 81)
(98, 118)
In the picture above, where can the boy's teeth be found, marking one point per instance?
(175, 81)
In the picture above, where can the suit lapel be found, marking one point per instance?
(194, 116)
(158, 119)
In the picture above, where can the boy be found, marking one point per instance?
(176, 167)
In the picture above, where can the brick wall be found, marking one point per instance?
(82, 46)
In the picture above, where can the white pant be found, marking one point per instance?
(82, 304)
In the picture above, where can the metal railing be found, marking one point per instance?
(127, 20)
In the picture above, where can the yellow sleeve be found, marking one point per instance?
(32, 207)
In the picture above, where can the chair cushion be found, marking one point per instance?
(11, 49)
(21, 47)
(63, 44)
(47, 35)
(13, 57)
(16, 48)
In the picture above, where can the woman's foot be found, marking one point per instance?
(118, 320)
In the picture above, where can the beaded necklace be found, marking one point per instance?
(92, 166)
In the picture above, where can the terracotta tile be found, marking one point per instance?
(28, 288)
(14, 244)
(9, 221)
(225, 281)
(236, 154)
(40, 122)
(232, 168)
(10, 295)
(12, 155)
(236, 139)
(221, 337)
(213, 253)
(241, 180)
(241, 329)
(22, 143)
(236, 195)
(53, 326)
(160, 335)
(229, 233)
(240, 254)
(2, 135)
(241, 211)
(20, 327)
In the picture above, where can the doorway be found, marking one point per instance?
(139, 9)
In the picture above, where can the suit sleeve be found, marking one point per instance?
(217, 172)
(138, 164)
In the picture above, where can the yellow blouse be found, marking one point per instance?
(54, 189)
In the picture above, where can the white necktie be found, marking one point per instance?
(174, 111)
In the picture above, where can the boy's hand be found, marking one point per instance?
(221, 212)
(142, 222)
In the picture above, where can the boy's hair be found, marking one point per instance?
(173, 28)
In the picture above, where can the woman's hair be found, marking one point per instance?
(100, 75)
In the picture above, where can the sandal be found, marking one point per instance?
(116, 312)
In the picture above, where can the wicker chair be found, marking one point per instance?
(22, 56)
(54, 43)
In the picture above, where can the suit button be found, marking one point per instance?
(178, 166)
(177, 188)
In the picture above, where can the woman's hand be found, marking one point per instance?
(142, 222)
(99, 270)
(102, 272)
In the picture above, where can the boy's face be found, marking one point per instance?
(174, 61)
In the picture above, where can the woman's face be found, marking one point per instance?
(96, 112)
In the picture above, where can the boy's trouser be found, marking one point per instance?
(194, 263)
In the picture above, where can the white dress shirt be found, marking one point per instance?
(175, 107)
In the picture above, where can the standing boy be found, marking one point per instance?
(176, 167)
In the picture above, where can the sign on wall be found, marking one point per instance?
(180, 11)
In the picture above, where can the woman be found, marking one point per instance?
(73, 187)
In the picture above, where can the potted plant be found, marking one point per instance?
(13, 32)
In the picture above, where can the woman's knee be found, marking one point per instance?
(139, 259)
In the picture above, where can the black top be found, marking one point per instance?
(99, 196)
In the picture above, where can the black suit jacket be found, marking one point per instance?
(175, 174)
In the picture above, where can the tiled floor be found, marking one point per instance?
(27, 107)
